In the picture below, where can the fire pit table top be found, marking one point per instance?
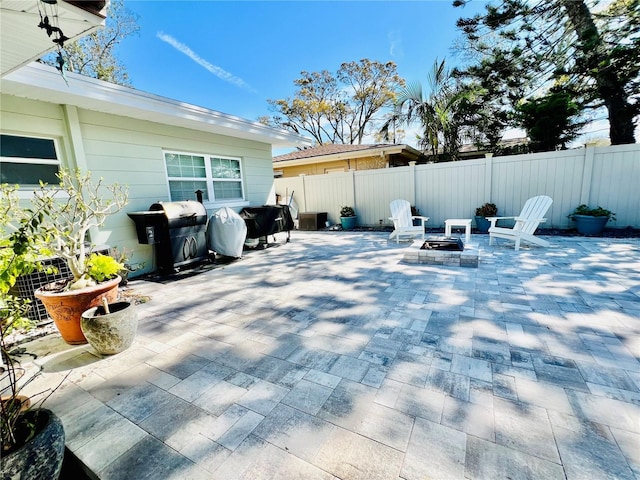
(438, 254)
(443, 243)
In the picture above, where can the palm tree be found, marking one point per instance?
(441, 129)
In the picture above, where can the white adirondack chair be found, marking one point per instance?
(526, 223)
(403, 221)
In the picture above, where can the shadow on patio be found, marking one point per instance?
(329, 358)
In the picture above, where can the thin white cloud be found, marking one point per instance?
(395, 44)
(217, 71)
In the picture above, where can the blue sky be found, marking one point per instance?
(231, 56)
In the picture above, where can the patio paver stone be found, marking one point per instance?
(330, 357)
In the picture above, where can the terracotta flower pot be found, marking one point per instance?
(23, 400)
(66, 308)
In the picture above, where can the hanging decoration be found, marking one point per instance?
(51, 25)
(48, 10)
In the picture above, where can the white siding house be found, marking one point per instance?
(126, 136)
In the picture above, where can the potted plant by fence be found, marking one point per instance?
(32, 436)
(486, 210)
(71, 209)
(347, 218)
(591, 221)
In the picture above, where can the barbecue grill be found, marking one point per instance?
(178, 231)
(267, 220)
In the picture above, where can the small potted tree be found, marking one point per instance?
(591, 221)
(72, 209)
(122, 256)
(32, 437)
(486, 210)
(347, 218)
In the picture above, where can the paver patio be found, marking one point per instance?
(329, 358)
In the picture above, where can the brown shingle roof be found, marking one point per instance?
(96, 7)
(328, 149)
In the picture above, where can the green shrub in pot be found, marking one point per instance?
(591, 221)
(32, 437)
(482, 212)
(347, 218)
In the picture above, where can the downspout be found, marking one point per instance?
(77, 158)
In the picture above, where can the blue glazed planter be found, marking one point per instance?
(348, 223)
(588, 225)
(482, 224)
(41, 457)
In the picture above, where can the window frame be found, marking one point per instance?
(27, 189)
(209, 179)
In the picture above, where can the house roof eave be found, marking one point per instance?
(375, 151)
(21, 41)
(41, 82)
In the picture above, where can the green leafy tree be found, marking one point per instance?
(489, 106)
(94, 55)
(439, 113)
(529, 44)
(341, 107)
(22, 238)
(549, 120)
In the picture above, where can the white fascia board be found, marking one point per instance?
(42, 82)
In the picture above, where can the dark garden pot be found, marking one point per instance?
(482, 224)
(588, 225)
(113, 332)
(348, 223)
(124, 275)
(40, 458)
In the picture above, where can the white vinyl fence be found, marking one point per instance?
(604, 176)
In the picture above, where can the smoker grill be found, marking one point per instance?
(267, 220)
(177, 229)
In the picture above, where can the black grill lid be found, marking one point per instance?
(184, 209)
(182, 214)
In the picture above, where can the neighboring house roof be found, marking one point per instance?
(97, 7)
(42, 82)
(508, 142)
(23, 41)
(332, 152)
